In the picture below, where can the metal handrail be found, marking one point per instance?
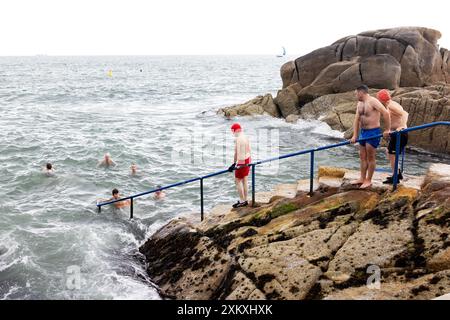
(254, 164)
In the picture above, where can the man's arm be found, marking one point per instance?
(386, 116)
(356, 125)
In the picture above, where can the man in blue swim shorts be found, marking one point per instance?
(367, 125)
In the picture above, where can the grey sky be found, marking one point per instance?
(97, 27)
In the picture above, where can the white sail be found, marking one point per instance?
(283, 54)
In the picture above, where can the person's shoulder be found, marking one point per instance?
(375, 102)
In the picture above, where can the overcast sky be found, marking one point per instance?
(146, 27)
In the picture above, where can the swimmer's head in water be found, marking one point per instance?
(361, 92)
(235, 128)
(49, 166)
(115, 192)
(107, 156)
(384, 96)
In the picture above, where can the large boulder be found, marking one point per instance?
(391, 58)
(377, 71)
(288, 73)
(287, 101)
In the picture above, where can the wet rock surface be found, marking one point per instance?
(324, 246)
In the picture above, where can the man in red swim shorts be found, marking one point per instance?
(241, 161)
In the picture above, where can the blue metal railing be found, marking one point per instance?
(254, 164)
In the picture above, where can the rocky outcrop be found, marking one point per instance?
(257, 106)
(320, 246)
(391, 58)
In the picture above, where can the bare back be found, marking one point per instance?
(242, 147)
(399, 117)
(369, 116)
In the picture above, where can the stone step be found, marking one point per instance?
(286, 190)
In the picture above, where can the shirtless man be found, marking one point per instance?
(241, 158)
(399, 120)
(106, 162)
(115, 196)
(159, 195)
(367, 124)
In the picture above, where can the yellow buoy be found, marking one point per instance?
(110, 73)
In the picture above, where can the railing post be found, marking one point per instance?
(311, 174)
(397, 157)
(253, 185)
(131, 208)
(201, 200)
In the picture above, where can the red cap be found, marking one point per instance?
(384, 95)
(235, 127)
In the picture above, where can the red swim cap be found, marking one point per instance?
(235, 127)
(384, 95)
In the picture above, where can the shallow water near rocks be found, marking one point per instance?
(157, 112)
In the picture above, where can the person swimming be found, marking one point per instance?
(159, 194)
(115, 196)
(133, 169)
(106, 162)
(48, 170)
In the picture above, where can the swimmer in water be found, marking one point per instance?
(48, 170)
(133, 169)
(159, 194)
(115, 196)
(106, 162)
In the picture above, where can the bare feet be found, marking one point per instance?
(359, 181)
(366, 185)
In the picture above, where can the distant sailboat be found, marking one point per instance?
(284, 53)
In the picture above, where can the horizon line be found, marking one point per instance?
(145, 55)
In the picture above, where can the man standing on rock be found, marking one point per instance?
(399, 120)
(366, 125)
(241, 160)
